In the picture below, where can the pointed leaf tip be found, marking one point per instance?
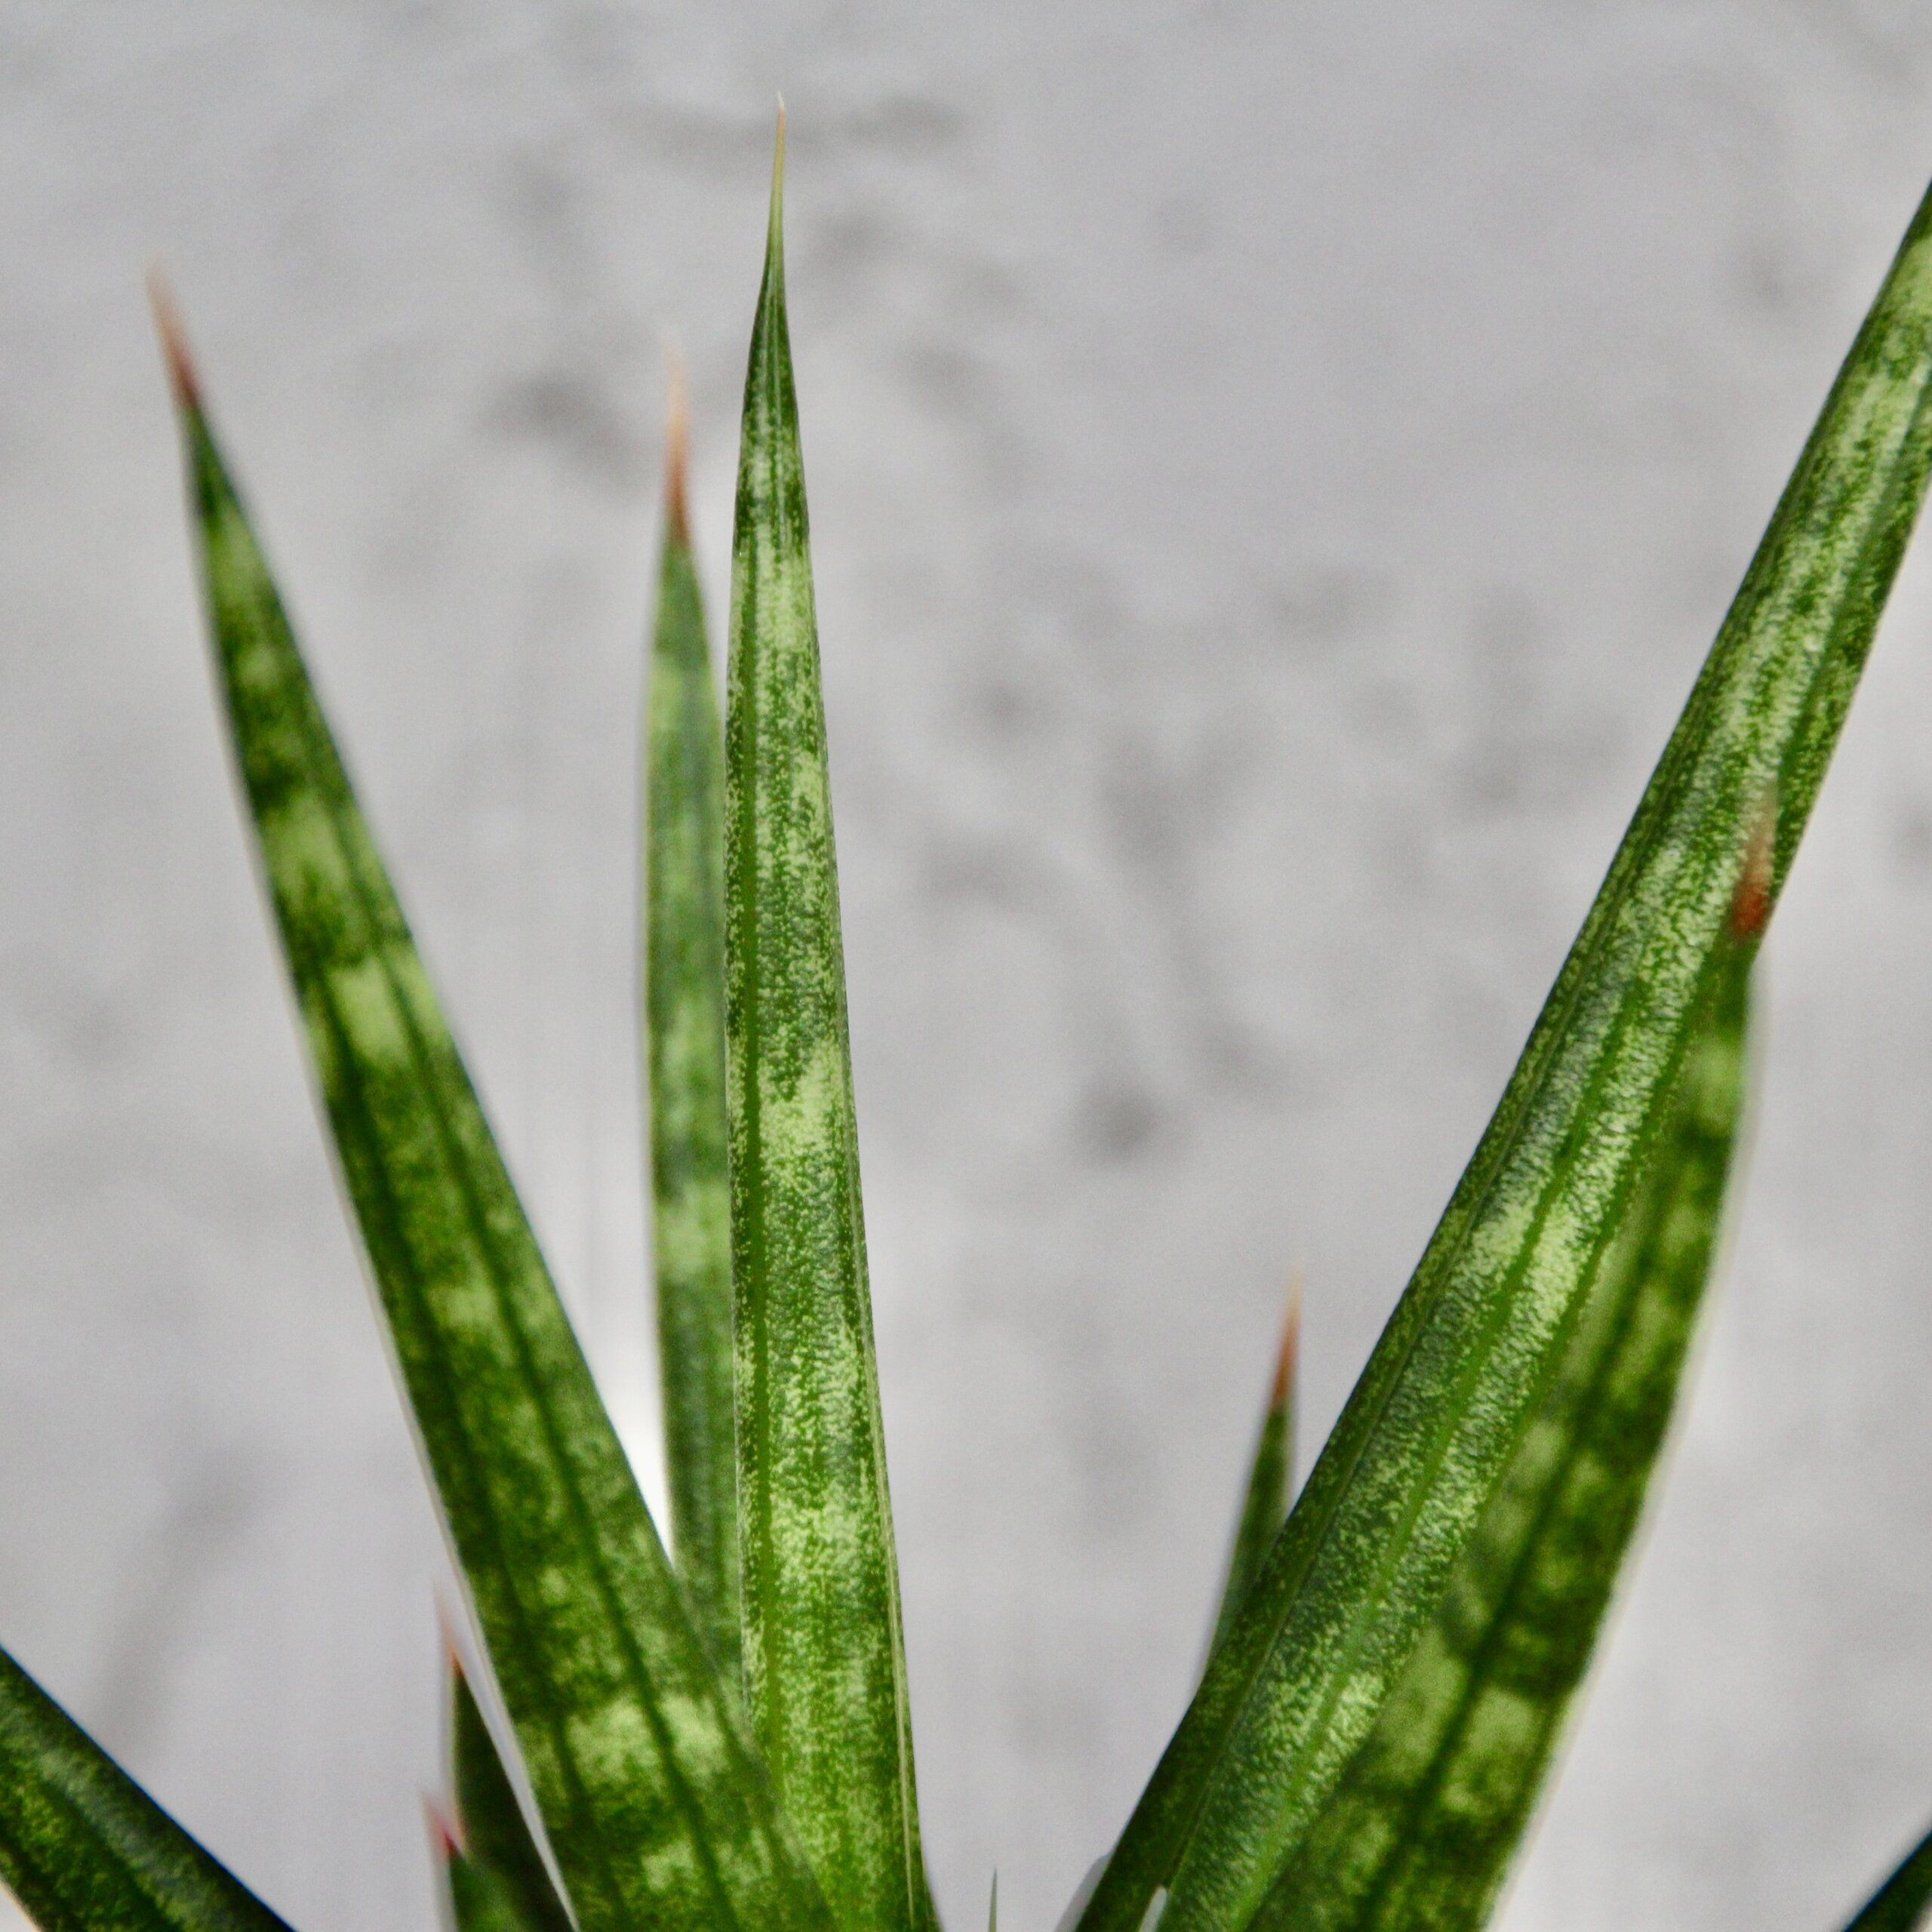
(445, 1834)
(677, 450)
(173, 340)
(1291, 1349)
(777, 220)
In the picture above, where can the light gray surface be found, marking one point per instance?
(1273, 472)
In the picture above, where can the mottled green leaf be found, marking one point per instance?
(651, 1796)
(1362, 1564)
(1899, 1904)
(1422, 1828)
(683, 950)
(825, 1667)
(1270, 1476)
(85, 1849)
(503, 1871)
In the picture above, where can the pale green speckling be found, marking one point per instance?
(1362, 1564)
(824, 1661)
(1421, 1827)
(684, 1013)
(652, 1799)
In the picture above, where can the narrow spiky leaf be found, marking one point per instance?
(684, 952)
(1362, 1562)
(1270, 1477)
(652, 1797)
(824, 1663)
(1900, 1904)
(495, 1834)
(85, 1849)
(1422, 1829)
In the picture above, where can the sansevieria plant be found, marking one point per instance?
(719, 1737)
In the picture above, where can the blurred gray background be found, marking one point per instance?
(1275, 471)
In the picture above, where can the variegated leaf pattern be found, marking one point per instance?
(652, 1799)
(1421, 1829)
(1361, 1567)
(684, 1006)
(825, 1665)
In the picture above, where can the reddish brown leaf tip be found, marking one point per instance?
(446, 1628)
(1291, 1349)
(445, 1835)
(1751, 903)
(173, 340)
(677, 451)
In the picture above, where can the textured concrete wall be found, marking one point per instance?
(1275, 471)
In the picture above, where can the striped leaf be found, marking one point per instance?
(502, 1873)
(1422, 1828)
(85, 1849)
(684, 952)
(652, 1798)
(825, 1667)
(1899, 1905)
(1360, 1569)
(1270, 1477)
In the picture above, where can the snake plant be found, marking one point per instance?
(717, 1736)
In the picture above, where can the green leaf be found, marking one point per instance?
(495, 1835)
(479, 1900)
(684, 1030)
(825, 1666)
(85, 1849)
(1362, 1564)
(1271, 1474)
(652, 1798)
(1422, 1828)
(1899, 1904)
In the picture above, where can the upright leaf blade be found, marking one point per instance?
(1899, 1904)
(1264, 1506)
(684, 1029)
(824, 1662)
(653, 1799)
(1422, 1828)
(85, 1849)
(1362, 1562)
(496, 1869)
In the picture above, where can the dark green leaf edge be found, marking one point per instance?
(1899, 1904)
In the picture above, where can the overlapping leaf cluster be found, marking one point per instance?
(724, 1740)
